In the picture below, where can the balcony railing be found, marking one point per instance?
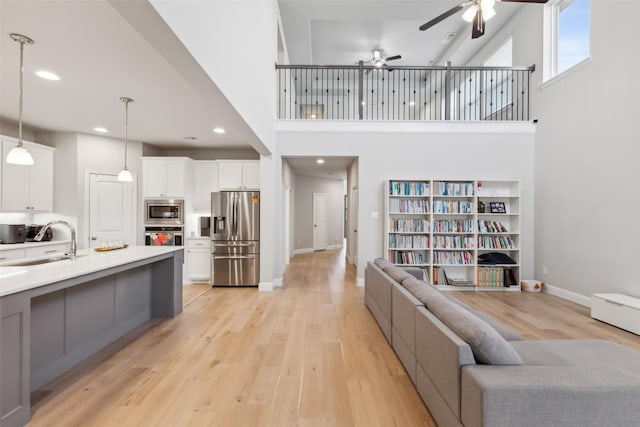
(362, 92)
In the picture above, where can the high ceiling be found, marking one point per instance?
(342, 32)
(105, 49)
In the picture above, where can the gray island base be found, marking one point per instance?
(49, 328)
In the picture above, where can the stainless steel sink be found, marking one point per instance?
(36, 261)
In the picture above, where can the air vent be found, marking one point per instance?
(448, 38)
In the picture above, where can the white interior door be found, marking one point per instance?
(287, 225)
(319, 221)
(112, 210)
(353, 232)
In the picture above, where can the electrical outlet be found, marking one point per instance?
(545, 270)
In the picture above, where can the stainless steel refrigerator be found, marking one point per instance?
(235, 238)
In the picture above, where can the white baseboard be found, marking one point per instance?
(265, 286)
(277, 282)
(568, 295)
(302, 251)
(360, 282)
(334, 247)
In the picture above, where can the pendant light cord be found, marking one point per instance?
(21, 93)
(126, 126)
(126, 130)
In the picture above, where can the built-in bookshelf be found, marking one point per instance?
(453, 229)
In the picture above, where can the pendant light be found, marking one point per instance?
(125, 175)
(18, 154)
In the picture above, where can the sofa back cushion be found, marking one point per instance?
(382, 263)
(421, 289)
(487, 345)
(396, 273)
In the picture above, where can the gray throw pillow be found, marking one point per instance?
(487, 345)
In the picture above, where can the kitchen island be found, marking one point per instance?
(53, 316)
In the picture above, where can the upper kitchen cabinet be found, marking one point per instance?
(27, 188)
(239, 174)
(206, 182)
(164, 177)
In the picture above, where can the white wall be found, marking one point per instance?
(454, 150)
(586, 163)
(303, 230)
(236, 43)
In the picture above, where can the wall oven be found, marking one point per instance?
(163, 212)
(163, 236)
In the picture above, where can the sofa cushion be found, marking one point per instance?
(396, 273)
(487, 345)
(505, 332)
(420, 289)
(382, 263)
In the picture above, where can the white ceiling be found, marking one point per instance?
(100, 56)
(332, 168)
(105, 49)
(330, 32)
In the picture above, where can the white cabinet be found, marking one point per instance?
(31, 250)
(239, 174)
(198, 260)
(27, 188)
(206, 182)
(164, 177)
(8, 255)
(45, 250)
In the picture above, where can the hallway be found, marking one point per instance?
(307, 354)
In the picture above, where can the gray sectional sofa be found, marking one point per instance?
(472, 371)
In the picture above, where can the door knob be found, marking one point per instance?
(94, 238)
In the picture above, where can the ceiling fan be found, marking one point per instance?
(478, 12)
(379, 61)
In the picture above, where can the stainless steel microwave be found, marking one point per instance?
(164, 212)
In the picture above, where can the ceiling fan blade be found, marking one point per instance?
(477, 29)
(524, 1)
(393, 58)
(386, 67)
(444, 16)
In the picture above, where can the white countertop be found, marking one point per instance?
(27, 245)
(18, 279)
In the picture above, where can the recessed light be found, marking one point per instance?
(219, 130)
(320, 161)
(101, 129)
(47, 75)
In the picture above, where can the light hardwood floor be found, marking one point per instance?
(307, 354)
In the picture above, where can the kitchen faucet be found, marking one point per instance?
(72, 248)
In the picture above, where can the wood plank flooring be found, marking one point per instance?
(306, 354)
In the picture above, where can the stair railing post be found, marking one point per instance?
(447, 92)
(360, 88)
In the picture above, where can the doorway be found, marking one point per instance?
(319, 221)
(112, 210)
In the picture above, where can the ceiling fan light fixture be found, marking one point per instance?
(488, 14)
(470, 13)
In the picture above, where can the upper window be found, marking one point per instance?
(569, 41)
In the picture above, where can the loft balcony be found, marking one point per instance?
(434, 93)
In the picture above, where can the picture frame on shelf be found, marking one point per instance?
(497, 207)
(481, 206)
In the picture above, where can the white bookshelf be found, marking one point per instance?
(438, 225)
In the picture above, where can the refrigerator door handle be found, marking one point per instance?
(232, 245)
(234, 257)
